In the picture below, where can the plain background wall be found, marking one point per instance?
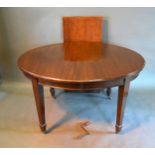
(24, 28)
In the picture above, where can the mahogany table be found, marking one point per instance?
(81, 66)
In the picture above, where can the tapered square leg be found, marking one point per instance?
(122, 96)
(39, 98)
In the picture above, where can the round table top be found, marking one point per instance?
(81, 62)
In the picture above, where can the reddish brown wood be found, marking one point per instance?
(122, 96)
(81, 66)
(39, 98)
(83, 29)
(68, 63)
(83, 86)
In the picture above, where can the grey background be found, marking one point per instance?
(24, 28)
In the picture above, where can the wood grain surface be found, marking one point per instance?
(83, 29)
(81, 62)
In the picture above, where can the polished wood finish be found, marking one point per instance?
(83, 29)
(99, 62)
(122, 96)
(39, 97)
(81, 66)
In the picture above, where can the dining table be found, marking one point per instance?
(81, 66)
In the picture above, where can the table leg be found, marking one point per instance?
(39, 98)
(52, 91)
(108, 92)
(122, 96)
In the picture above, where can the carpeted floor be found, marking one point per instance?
(19, 121)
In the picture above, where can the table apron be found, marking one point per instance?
(83, 86)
